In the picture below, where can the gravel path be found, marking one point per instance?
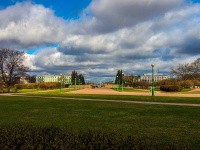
(108, 91)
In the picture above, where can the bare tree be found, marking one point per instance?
(187, 71)
(195, 67)
(183, 71)
(11, 66)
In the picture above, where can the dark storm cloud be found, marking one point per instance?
(190, 47)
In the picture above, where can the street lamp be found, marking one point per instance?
(152, 90)
(79, 83)
(75, 84)
(117, 83)
(60, 82)
(122, 82)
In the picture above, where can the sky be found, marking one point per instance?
(98, 37)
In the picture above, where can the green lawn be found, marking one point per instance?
(176, 124)
(65, 93)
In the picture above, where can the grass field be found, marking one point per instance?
(159, 123)
(56, 93)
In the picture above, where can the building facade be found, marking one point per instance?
(157, 77)
(52, 78)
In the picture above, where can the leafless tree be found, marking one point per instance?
(195, 67)
(11, 66)
(183, 71)
(187, 71)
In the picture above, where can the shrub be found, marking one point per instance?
(141, 84)
(171, 88)
(171, 81)
(187, 83)
(44, 86)
(16, 137)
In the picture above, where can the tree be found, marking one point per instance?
(32, 79)
(183, 71)
(130, 79)
(81, 79)
(187, 71)
(171, 81)
(11, 66)
(62, 79)
(118, 78)
(195, 69)
(74, 77)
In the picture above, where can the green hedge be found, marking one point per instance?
(64, 139)
(171, 88)
(47, 85)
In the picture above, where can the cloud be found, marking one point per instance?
(26, 25)
(170, 36)
(103, 16)
(110, 35)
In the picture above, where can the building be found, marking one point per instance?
(52, 78)
(157, 77)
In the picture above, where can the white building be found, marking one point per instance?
(157, 77)
(52, 78)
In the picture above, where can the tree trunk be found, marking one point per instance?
(9, 89)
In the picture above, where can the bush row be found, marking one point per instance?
(171, 88)
(46, 85)
(56, 138)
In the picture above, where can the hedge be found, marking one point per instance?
(65, 139)
(47, 85)
(171, 88)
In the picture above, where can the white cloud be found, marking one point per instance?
(30, 25)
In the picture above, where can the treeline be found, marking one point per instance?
(55, 138)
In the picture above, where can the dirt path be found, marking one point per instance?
(108, 91)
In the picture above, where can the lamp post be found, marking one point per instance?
(70, 81)
(60, 82)
(122, 82)
(75, 84)
(117, 83)
(79, 83)
(152, 90)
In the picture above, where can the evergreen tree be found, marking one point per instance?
(118, 78)
(74, 77)
(81, 79)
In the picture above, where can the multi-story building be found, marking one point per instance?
(52, 78)
(157, 77)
